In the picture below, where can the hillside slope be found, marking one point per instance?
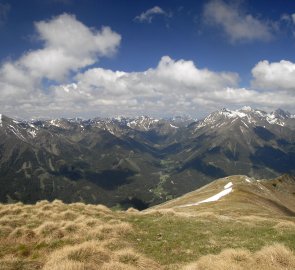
(252, 226)
(240, 195)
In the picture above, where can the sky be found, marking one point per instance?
(89, 58)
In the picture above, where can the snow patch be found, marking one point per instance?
(0, 120)
(249, 179)
(214, 198)
(272, 119)
(245, 124)
(55, 123)
(16, 132)
(228, 185)
(233, 114)
(173, 126)
(33, 126)
(227, 189)
(33, 133)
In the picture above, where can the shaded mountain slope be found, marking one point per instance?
(139, 161)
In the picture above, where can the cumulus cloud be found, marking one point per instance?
(54, 80)
(68, 46)
(238, 25)
(173, 87)
(276, 76)
(148, 15)
(169, 77)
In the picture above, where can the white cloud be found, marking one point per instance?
(173, 87)
(278, 76)
(169, 88)
(68, 46)
(180, 77)
(148, 15)
(237, 25)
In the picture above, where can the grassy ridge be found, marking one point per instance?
(78, 236)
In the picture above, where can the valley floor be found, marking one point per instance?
(78, 236)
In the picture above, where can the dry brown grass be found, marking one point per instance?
(117, 266)
(90, 255)
(77, 236)
(275, 257)
(252, 218)
(108, 231)
(66, 265)
(93, 255)
(285, 225)
(13, 263)
(59, 236)
(138, 261)
(132, 210)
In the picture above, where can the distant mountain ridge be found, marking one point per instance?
(139, 161)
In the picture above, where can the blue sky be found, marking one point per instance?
(158, 58)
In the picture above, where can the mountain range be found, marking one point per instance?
(139, 161)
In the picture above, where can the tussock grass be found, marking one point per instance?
(117, 266)
(285, 225)
(107, 231)
(274, 257)
(132, 210)
(53, 235)
(88, 255)
(59, 236)
(66, 265)
(5, 231)
(131, 258)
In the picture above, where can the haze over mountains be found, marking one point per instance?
(139, 161)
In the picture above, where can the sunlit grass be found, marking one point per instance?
(78, 236)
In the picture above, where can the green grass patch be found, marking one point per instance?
(172, 239)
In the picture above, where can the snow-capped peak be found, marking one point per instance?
(276, 117)
(232, 114)
(247, 115)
